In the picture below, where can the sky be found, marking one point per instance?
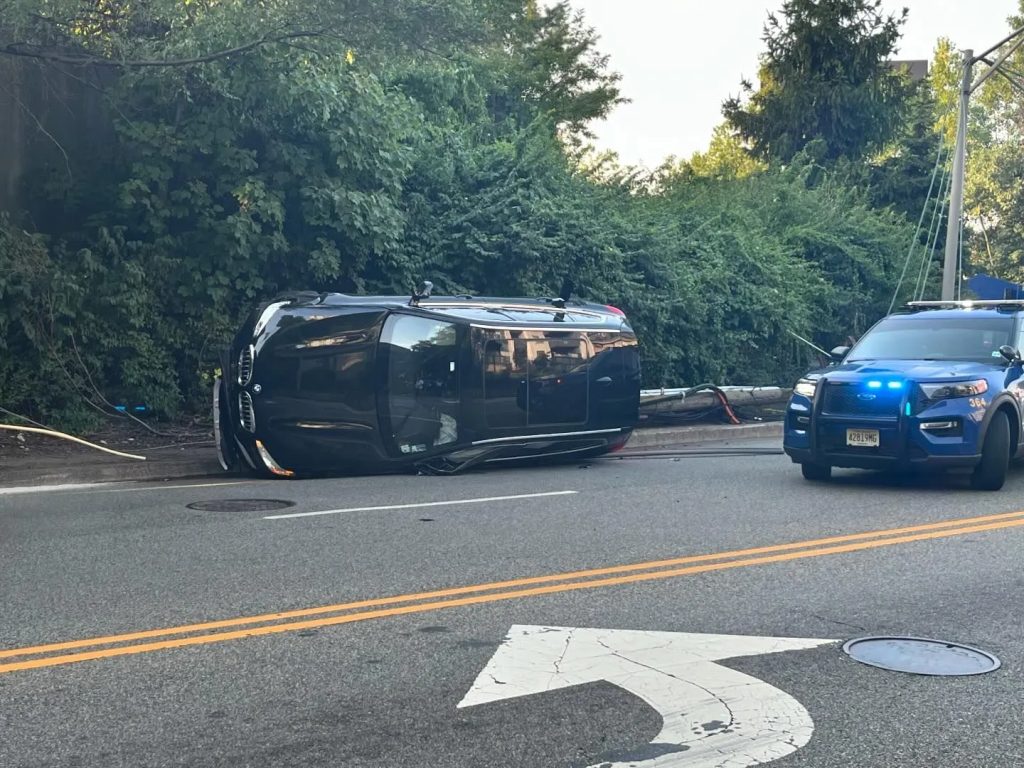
(679, 60)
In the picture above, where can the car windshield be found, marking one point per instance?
(975, 339)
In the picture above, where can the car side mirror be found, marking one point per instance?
(1010, 353)
(838, 354)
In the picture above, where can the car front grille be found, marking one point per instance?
(855, 400)
(246, 414)
(245, 366)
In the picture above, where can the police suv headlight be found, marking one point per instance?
(947, 389)
(805, 387)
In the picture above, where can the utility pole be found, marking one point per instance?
(956, 195)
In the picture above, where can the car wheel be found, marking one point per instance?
(990, 474)
(816, 472)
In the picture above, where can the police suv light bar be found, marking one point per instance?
(966, 304)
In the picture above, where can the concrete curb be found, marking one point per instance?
(703, 433)
(202, 462)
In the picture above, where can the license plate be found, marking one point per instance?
(862, 438)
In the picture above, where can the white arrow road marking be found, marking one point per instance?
(713, 716)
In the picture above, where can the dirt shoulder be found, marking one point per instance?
(181, 449)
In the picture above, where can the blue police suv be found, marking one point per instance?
(936, 386)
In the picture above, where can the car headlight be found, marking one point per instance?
(954, 389)
(805, 387)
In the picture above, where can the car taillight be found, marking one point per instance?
(616, 310)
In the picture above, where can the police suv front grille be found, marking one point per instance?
(245, 366)
(245, 412)
(855, 400)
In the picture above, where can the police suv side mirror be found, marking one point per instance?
(1010, 353)
(838, 354)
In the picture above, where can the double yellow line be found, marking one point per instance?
(54, 654)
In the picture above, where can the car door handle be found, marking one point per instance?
(606, 380)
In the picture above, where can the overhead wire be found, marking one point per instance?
(1013, 83)
(920, 221)
(929, 255)
(934, 224)
(960, 260)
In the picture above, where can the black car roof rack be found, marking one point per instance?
(498, 304)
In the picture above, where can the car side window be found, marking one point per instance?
(422, 381)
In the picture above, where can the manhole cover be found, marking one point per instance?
(920, 656)
(241, 505)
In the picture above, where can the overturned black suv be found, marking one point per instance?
(319, 384)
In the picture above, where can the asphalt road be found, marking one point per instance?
(392, 608)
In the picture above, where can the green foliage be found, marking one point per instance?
(714, 273)
(902, 176)
(74, 318)
(824, 77)
(157, 33)
(26, 275)
(561, 75)
(392, 144)
(945, 74)
(993, 195)
(725, 158)
(772, 254)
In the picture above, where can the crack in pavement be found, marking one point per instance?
(709, 692)
(565, 650)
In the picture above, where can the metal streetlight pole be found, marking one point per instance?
(956, 197)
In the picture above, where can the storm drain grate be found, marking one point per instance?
(241, 505)
(921, 656)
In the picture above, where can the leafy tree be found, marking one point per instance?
(945, 76)
(240, 169)
(726, 158)
(170, 33)
(902, 175)
(824, 76)
(557, 73)
(994, 200)
(346, 145)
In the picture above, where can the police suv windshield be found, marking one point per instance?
(926, 337)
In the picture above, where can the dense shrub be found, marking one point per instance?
(316, 166)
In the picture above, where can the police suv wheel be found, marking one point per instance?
(990, 474)
(816, 472)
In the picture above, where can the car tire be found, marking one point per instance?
(990, 474)
(816, 472)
